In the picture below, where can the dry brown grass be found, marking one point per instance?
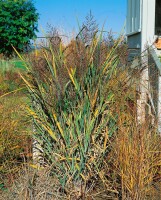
(14, 125)
(136, 150)
(14, 136)
(136, 159)
(41, 185)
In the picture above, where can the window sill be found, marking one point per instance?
(133, 33)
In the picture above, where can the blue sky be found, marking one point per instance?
(64, 13)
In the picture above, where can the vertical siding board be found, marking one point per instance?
(129, 16)
(133, 16)
(137, 21)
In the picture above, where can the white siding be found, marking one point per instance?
(148, 23)
(133, 16)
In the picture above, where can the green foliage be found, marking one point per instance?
(71, 117)
(9, 75)
(18, 23)
(2, 187)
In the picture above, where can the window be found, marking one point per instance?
(133, 16)
(158, 17)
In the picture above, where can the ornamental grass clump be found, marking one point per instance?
(71, 110)
(134, 162)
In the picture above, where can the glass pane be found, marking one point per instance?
(158, 17)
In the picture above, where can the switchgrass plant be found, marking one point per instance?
(134, 165)
(71, 116)
(136, 160)
(149, 172)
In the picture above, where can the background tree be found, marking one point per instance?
(18, 24)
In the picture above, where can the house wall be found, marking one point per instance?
(134, 46)
(147, 23)
(143, 33)
(133, 16)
